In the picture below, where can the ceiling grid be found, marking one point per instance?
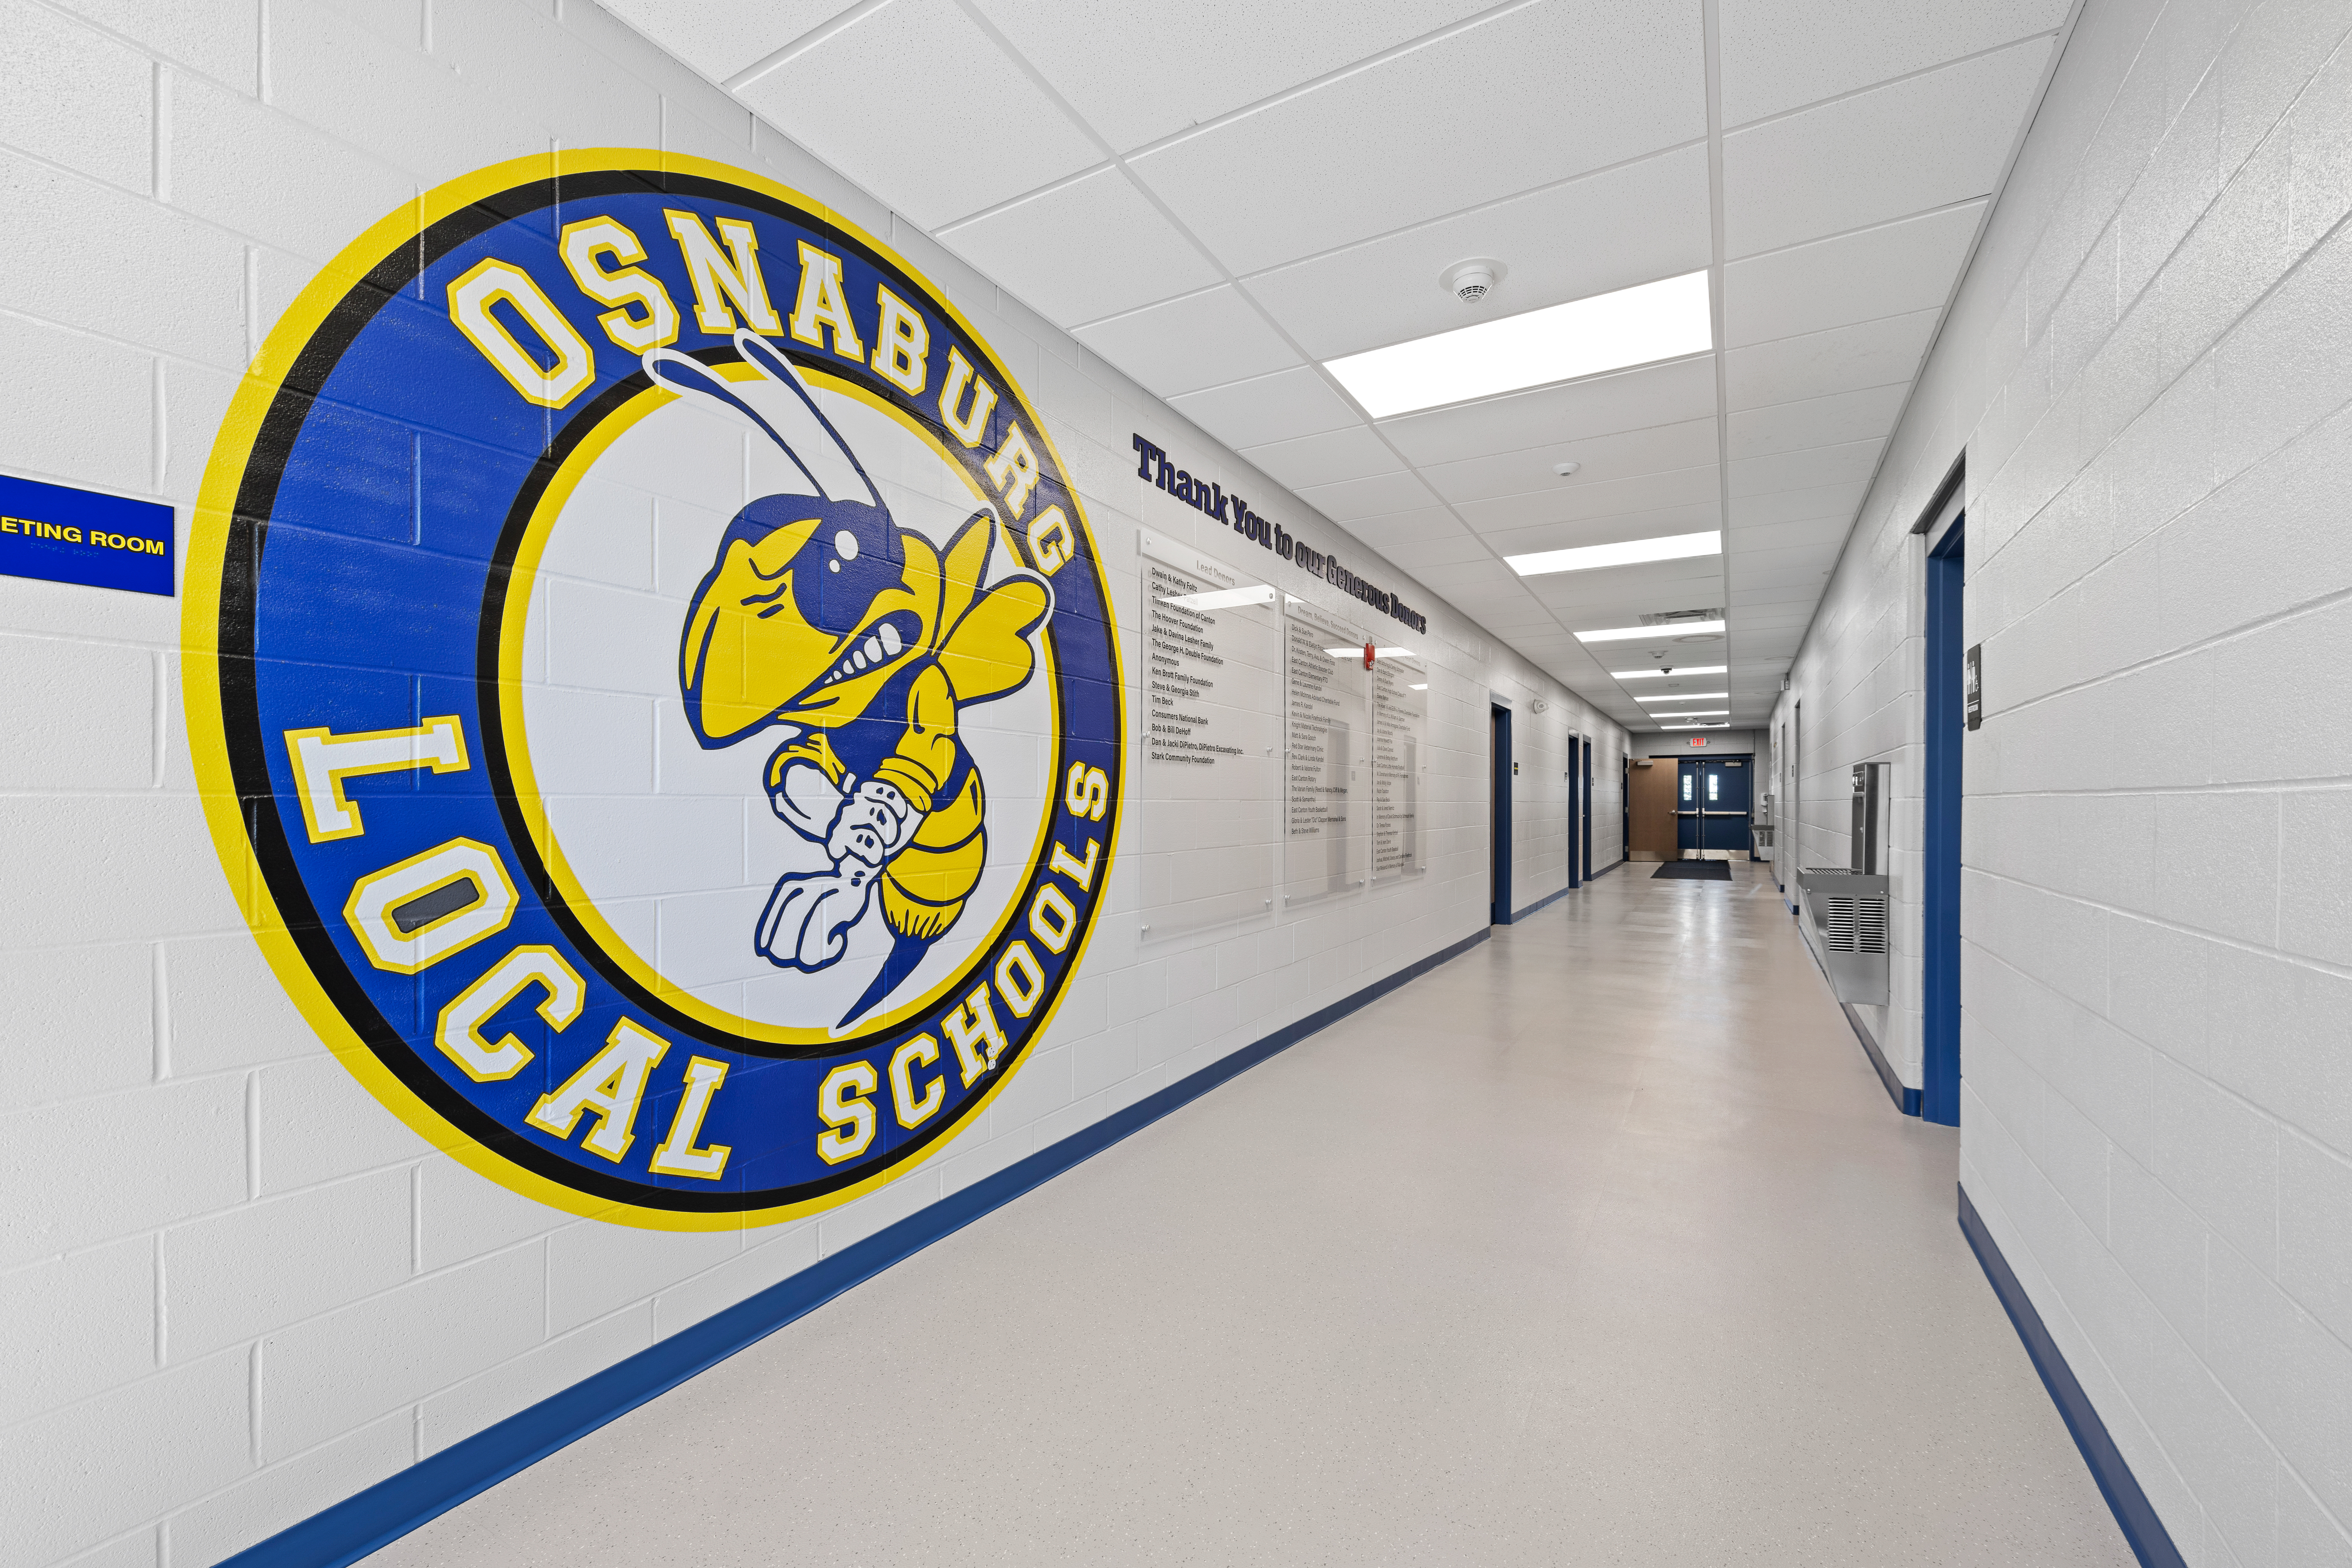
(1244, 193)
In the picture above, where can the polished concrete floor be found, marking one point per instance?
(1600, 1244)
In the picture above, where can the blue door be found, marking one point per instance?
(1726, 808)
(1711, 811)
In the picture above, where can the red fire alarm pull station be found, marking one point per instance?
(1368, 655)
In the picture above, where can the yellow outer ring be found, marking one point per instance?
(208, 532)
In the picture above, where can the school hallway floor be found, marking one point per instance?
(1601, 1244)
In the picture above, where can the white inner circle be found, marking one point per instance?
(676, 845)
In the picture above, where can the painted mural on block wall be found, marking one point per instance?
(654, 688)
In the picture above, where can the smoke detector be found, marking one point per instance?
(1471, 282)
(1564, 470)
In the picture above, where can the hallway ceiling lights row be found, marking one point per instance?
(1756, 212)
(1696, 713)
(1685, 696)
(1628, 553)
(1678, 670)
(1641, 325)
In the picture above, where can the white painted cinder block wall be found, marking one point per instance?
(236, 1289)
(2149, 364)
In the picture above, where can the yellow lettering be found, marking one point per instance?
(496, 282)
(902, 343)
(973, 424)
(849, 1114)
(1014, 469)
(608, 1086)
(718, 280)
(677, 1156)
(819, 305)
(643, 317)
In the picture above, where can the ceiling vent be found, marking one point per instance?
(1670, 617)
(1471, 282)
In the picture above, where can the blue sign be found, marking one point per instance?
(64, 535)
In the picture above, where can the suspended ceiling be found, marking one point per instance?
(1217, 195)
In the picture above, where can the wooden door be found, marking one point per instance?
(1653, 810)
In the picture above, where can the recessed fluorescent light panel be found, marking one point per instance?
(1664, 319)
(1695, 726)
(1684, 697)
(1678, 670)
(1698, 713)
(1671, 630)
(1632, 553)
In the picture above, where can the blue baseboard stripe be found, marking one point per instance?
(1905, 1098)
(1606, 869)
(2144, 1532)
(1518, 915)
(369, 1519)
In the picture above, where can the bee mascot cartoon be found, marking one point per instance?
(861, 644)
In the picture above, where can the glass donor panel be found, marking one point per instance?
(1328, 754)
(1209, 794)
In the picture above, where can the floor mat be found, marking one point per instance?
(1693, 871)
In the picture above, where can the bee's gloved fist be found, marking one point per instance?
(874, 823)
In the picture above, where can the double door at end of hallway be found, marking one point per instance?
(1711, 807)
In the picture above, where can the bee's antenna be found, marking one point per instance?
(684, 374)
(768, 361)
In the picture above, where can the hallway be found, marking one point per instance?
(1599, 1245)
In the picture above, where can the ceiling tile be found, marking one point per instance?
(1603, 458)
(1181, 345)
(1849, 464)
(1536, 94)
(1132, 255)
(1423, 523)
(1782, 535)
(1816, 421)
(1779, 54)
(1647, 492)
(1417, 553)
(938, 65)
(1141, 72)
(1351, 453)
(1799, 505)
(1901, 266)
(1632, 224)
(719, 38)
(1576, 410)
(1903, 148)
(1366, 498)
(1843, 359)
(1266, 408)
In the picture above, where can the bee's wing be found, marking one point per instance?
(779, 403)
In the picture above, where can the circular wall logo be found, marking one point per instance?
(654, 688)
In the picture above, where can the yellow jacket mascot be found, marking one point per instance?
(860, 644)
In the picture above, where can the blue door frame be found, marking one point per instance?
(1939, 1022)
(1584, 857)
(1499, 846)
(1576, 791)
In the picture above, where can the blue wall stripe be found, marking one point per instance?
(369, 1519)
(2144, 1532)
(1906, 1098)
